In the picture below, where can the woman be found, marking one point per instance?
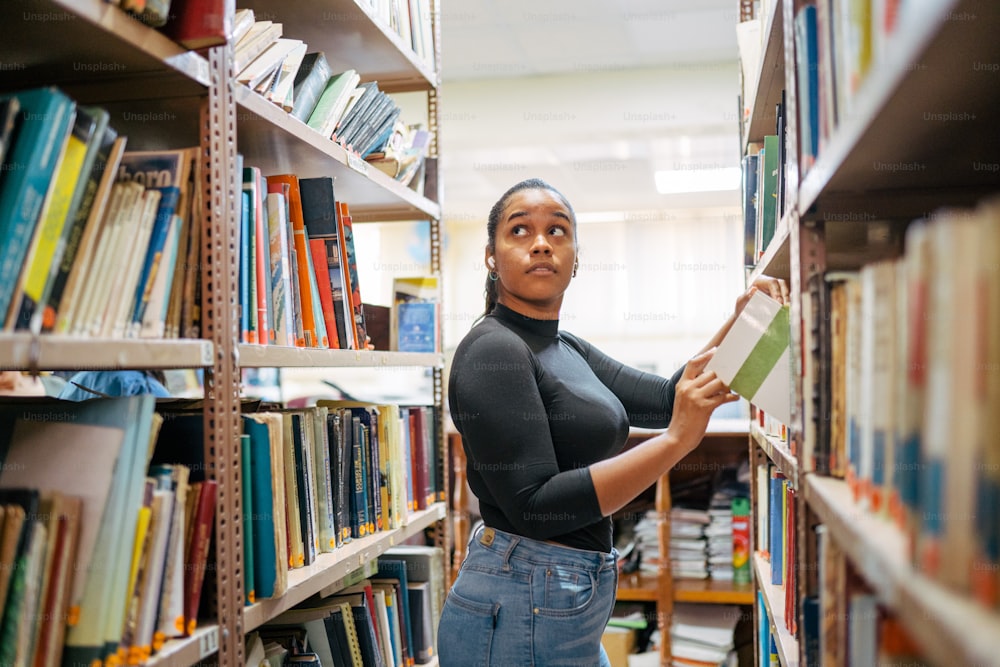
(543, 418)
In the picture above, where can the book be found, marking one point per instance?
(265, 547)
(352, 293)
(302, 266)
(196, 561)
(199, 24)
(332, 102)
(753, 357)
(308, 85)
(422, 329)
(56, 221)
(62, 513)
(320, 220)
(169, 173)
(100, 442)
(42, 130)
(282, 92)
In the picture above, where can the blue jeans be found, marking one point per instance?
(519, 602)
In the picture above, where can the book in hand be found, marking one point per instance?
(753, 358)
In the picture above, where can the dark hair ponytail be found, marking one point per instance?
(492, 291)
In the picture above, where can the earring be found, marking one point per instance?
(493, 275)
(576, 265)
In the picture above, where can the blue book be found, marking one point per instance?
(245, 264)
(249, 538)
(42, 129)
(394, 568)
(417, 326)
(777, 529)
(265, 555)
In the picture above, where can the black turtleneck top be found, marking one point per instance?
(535, 407)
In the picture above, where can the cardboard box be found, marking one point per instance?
(618, 643)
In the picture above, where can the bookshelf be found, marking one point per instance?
(98, 54)
(910, 140)
(724, 443)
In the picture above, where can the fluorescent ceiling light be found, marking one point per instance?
(697, 180)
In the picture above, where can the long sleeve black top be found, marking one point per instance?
(535, 407)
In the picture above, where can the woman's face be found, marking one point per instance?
(535, 253)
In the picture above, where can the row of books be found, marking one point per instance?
(105, 555)
(388, 618)
(776, 509)
(411, 20)
(298, 271)
(762, 180)
(298, 276)
(355, 114)
(94, 240)
(317, 477)
(913, 385)
(846, 624)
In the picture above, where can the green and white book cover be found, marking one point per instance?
(753, 358)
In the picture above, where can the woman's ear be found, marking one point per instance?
(490, 262)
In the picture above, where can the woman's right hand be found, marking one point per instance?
(697, 394)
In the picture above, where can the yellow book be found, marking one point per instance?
(29, 294)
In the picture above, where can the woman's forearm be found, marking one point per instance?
(618, 480)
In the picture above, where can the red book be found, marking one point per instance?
(199, 24)
(262, 257)
(318, 249)
(203, 523)
(418, 458)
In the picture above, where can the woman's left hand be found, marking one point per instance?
(776, 288)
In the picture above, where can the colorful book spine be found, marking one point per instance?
(45, 122)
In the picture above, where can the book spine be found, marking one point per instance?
(197, 561)
(46, 118)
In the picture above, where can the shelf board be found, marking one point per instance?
(923, 119)
(777, 258)
(713, 591)
(644, 587)
(774, 601)
(769, 82)
(97, 38)
(351, 38)
(777, 452)
(279, 356)
(22, 351)
(951, 628)
(187, 651)
(306, 581)
(277, 143)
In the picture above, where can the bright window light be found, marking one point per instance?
(697, 180)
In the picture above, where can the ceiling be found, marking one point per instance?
(516, 38)
(592, 95)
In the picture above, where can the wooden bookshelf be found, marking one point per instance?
(774, 602)
(642, 587)
(776, 260)
(765, 92)
(778, 452)
(916, 136)
(951, 628)
(927, 89)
